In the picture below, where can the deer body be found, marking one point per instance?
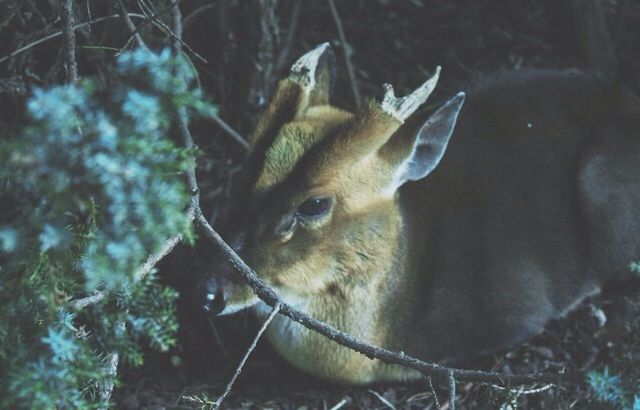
(533, 206)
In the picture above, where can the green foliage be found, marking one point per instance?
(605, 387)
(608, 388)
(90, 188)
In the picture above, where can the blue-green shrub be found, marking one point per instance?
(92, 186)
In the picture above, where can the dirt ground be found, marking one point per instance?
(398, 42)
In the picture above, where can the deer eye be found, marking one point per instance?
(314, 207)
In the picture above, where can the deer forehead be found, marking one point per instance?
(294, 140)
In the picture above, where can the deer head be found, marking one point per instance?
(320, 213)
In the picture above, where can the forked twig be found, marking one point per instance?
(145, 23)
(177, 25)
(252, 346)
(132, 28)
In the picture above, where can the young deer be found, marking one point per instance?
(535, 204)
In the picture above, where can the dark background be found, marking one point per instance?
(247, 46)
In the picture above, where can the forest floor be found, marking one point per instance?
(399, 43)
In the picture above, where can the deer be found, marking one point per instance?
(446, 233)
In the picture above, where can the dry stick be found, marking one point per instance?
(340, 404)
(194, 13)
(452, 390)
(66, 14)
(382, 399)
(127, 21)
(347, 55)
(178, 24)
(106, 387)
(58, 33)
(433, 391)
(522, 390)
(152, 14)
(233, 133)
(291, 31)
(144, 24)
(274, 312)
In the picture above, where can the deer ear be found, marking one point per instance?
(429, 144)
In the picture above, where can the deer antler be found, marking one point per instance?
(401, 108)
(303, 71)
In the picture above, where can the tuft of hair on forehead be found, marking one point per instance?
(294, 140)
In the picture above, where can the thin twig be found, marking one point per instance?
(106, 387)
(176, 16)
(347, 53)
(451, 381)
(58, 33)
(145, 23)
(433, 391)
(382, 399)
(152, 14)
(127, 21)
(291, 31)
(66, 14)
(233, 133)
(521, 390)
(274, 312)
(194, 13)
(340, 404)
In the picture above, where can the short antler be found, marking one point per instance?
(401, 108)
(303, 71)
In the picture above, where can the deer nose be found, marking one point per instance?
(214, 301)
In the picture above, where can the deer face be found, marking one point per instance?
(319, 216)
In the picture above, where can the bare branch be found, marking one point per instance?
(347, 54)
(80, 304)
(291, 31)
(194, 13)
(451, 381)
(71, 66)
(233, 133)
(273, 314)
(433, 391)
(106, 388)
(176, 38)
(127, 21)
(146, 22)
(58, 33)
